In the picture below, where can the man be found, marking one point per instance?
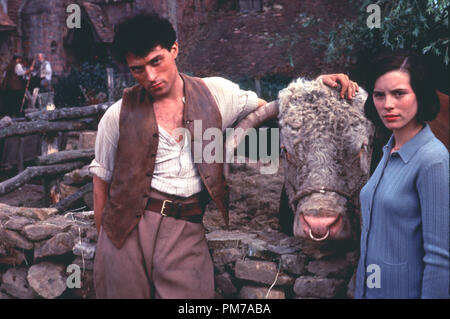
(45, 73)
(149, 196)
(14, 86)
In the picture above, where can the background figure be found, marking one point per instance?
(405, 204)
(14, 86)
(45, 73)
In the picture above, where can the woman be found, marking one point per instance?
(405, 204)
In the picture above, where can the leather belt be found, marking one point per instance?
(192, 212)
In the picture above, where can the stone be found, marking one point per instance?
(85, 250)
(4, 216)
(13, 239)
(88, 264)
(225, 284)
(59, 244)
(263, 272)
(12, 257)
(330, 268)
(307, 287)
(41, 231)
(67, 190)
(35, 213)
(256, 248)
(17, 223)
(14, 283)
(248, 292)
(293, 263)
(4, 296)
(87, 289)
(87, 139)
(78, 177)
(220, 239)
(47, 279)
(226, 256)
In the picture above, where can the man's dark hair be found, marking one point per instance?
(141, 34)
(421, 80)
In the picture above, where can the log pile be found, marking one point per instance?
(55, 161)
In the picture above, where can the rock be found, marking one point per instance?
(67, 190)
(294, 264)
(59, 244)
(4, 216)
(4, 296)
(263, 272)
(330, 268)
(12, 257)
(220, 239)
(87, 290)
(226, 256)
(78, 177)
(87, 139)
(14, 283)
(41, 231)
(17, 222)
(256, 248)
(307, 287)
(47, 279)
(248, 292)
(225, 285)
(85, 250)
(13, 239)
(35, 213)
(87, 265)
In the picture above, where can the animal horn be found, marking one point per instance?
(262, 114)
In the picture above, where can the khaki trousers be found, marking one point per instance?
(163, 257)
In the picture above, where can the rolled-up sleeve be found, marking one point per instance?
(233, 102)
(106, 144)
(433, 189)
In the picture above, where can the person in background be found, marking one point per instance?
(405, 203)
(13, 86)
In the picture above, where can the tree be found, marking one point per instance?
(421, 25)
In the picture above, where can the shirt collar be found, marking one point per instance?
(407, 151)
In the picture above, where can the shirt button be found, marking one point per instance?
(153, 155)
(155, 135)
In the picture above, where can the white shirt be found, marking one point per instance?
(174, 172)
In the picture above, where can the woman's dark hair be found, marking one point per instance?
(421, 81)
(141, 34)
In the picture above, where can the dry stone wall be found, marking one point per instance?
(252, 260)
(38, 245)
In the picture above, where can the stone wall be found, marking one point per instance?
(253, 259)
(38, 245)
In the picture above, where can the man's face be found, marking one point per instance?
(40, 57)
(157, 71)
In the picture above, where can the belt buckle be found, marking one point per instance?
(164, 206)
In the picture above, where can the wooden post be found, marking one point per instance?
(20, 155)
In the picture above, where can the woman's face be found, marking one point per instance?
(395, 100)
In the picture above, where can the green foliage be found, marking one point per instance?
(82, 86)
(405, 24)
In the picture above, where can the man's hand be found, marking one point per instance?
(347, 86)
